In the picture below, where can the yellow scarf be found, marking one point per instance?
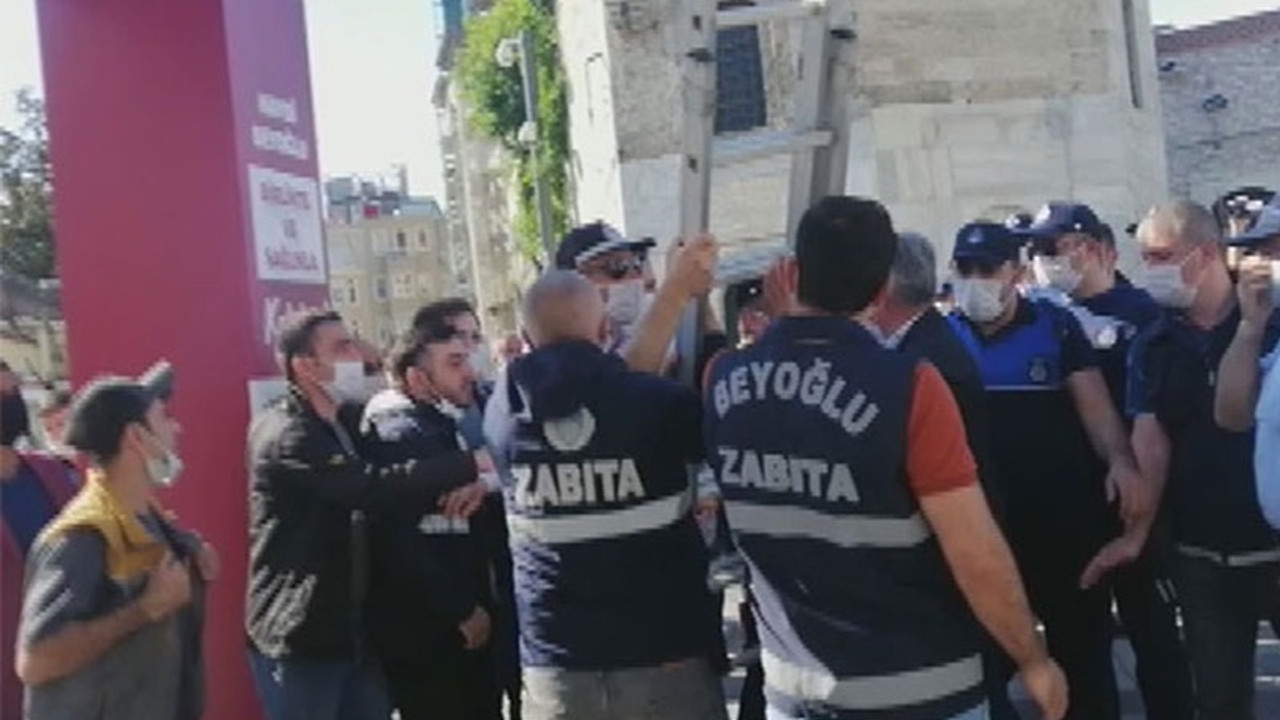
(132, 551)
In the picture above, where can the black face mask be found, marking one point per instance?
(14, 422)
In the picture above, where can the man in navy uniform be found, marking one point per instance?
(616, 620)
(856, 501)
(1073, 253)
(1226, 559)
(1048, 404)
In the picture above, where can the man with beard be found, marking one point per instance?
(430, 597)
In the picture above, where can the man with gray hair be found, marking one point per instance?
(1226, 559)
(908, 321)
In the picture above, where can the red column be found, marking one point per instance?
(188, 220)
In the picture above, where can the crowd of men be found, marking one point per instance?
(916, 489)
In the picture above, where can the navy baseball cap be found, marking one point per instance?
(588, 241)
(1059, 218)
(1264, 228)
(986, 242)
(1019, 221)
(102, 410)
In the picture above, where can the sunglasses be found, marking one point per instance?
(977, 266)
(620, 268)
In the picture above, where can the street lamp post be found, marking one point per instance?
(520, 50)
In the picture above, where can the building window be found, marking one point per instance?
(402, 286)
(402, 241)
(343, 292)
(381, 242)
(740, 95)
(423, 244)
(1132, 51)
(380, 288)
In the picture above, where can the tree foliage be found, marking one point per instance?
(26, 188)
(495, 100)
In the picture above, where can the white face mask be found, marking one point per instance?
(1275, 283)
(1056, 273)
(1165, 285)
(164, 471)
(481, 363)
(625, 302)
(349, 384)
(980, 300)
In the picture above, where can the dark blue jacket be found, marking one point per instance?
(1044, 463)
(1210, 491)
(428, 573)
(610, 568)
(859, 615)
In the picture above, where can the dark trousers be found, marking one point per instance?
(452, 686)
(1051, 555)
(1221, 608)
(294, 689)
(1148, 613)
(751, 705)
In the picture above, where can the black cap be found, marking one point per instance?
(1244, 201)
(102, 410)
(1106, 235)
(986, 242)
(1019, 221)
(588, 241)
(1265, 228)
(1060, 218)
(747, 292)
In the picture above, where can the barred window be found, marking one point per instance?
(740, 95)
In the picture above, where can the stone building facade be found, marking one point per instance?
(1220, 88)
(381, 270)
(957, 110)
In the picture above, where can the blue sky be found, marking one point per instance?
(373, 67)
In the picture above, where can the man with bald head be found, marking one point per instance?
(1226, 559)
(615, 617)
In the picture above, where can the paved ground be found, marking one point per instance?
(1267, 679)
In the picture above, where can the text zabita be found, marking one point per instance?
(570, 484)
(819, 479)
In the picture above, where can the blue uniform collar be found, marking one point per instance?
(827, 328)
(1024, 314)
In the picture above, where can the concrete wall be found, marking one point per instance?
(957, 108)
(1213, 151)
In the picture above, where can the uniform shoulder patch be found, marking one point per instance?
(572, 433)
(1038, 370)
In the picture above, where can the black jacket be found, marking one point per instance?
(309, 494)
(932, 339)
(428, 573)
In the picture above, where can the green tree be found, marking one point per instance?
(495, 100)
(26, 189)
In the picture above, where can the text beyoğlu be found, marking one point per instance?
(785, 381)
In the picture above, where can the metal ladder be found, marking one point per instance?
(817, 142)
